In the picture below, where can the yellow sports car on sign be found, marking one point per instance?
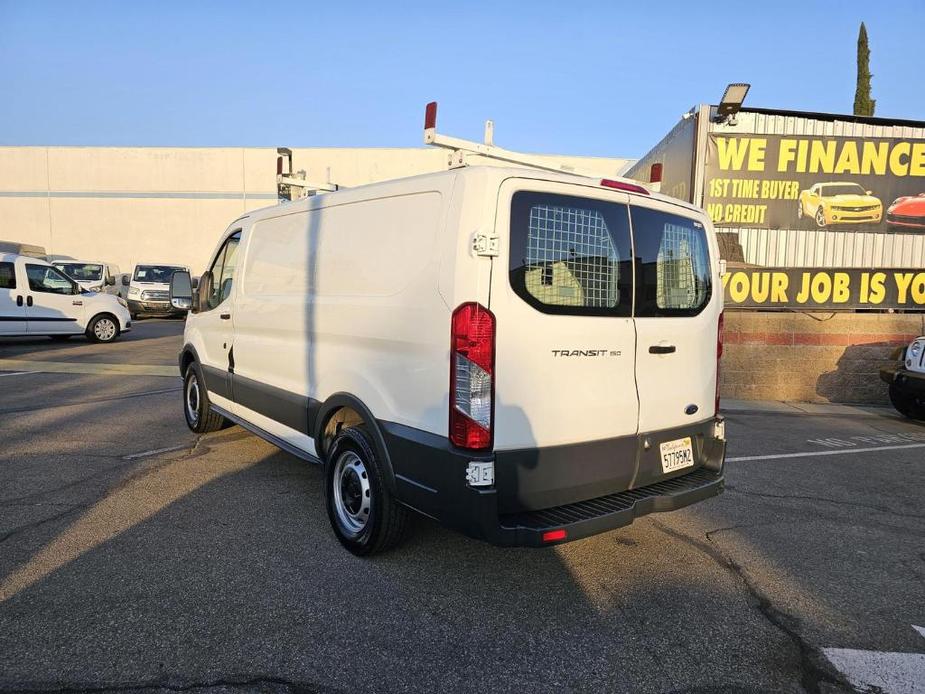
(839, 203)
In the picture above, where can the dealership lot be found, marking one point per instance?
(135, 555)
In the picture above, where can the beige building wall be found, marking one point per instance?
(128, 205)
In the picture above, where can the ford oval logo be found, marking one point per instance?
(691, 409)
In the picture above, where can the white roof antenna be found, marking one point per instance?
(461, 150)
(293, 185)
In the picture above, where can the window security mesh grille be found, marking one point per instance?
(571, 258)
(680, 257)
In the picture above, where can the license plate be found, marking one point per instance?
(677, 454)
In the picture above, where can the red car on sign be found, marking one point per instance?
(907, 212)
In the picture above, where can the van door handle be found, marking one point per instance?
(19, 301)
(28, 301)
(225, 316)
(662, 349)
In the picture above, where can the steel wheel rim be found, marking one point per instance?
(351, 493)
(192, 399)
(104, 329)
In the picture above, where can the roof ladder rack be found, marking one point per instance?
(292, 185)
(461, 150)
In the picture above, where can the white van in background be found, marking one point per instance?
(149, 289)
(528, 357)
(36, 298)
(91, 276)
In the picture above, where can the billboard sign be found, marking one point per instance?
(825, 289)
(809, 182)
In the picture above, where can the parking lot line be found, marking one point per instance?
(29, 366)
(813, 454)
(15, 373)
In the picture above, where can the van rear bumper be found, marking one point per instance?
(430, 476)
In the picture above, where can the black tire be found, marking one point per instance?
(134, 316)
(365, 516)
(60, 338)
(907, 405)
(197, 410)
(103, 328)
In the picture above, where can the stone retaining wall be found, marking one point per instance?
(820, 357)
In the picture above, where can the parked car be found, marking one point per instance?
(465, 344)
(906, 379)
(36, 298)
(839, 203)
(907, 213)
(92, 276)
(149, 290)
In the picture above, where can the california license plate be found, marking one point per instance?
(677, 454)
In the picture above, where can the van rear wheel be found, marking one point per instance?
(364, 514)
(196, 407)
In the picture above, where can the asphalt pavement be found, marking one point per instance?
(135, 555)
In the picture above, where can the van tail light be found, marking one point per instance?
(719, 354)
(472, 372)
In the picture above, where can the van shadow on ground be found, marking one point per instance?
(220, 567)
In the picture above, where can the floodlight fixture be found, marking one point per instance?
(731, 102)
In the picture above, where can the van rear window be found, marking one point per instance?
(571, 255)
(674, 264)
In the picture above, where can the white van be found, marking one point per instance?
(149, 289)
(36, 298)
(91, 276)
(528, 357)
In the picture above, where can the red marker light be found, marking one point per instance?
(430, 116)
(655, 173)
(621, 185)
(279, 166)
(554, 535)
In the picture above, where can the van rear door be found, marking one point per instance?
(565, 393)
(678, 304)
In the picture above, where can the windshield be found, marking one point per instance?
(82, 272)
(155, 273)
(842, 189)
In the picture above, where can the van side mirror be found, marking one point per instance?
(126, 281)
(204, 291)
(181, 290)
(110, 281)
(195, 283)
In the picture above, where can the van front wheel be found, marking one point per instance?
(366, 517)
(196, 408)
(103, 328)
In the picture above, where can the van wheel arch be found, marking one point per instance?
(343, 410)
(187, 356)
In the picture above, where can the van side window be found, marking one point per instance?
(571, 255)
(674, 264)
(223, 270)
(7, 276)
(43, 278)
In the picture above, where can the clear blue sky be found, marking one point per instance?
(595, 78)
